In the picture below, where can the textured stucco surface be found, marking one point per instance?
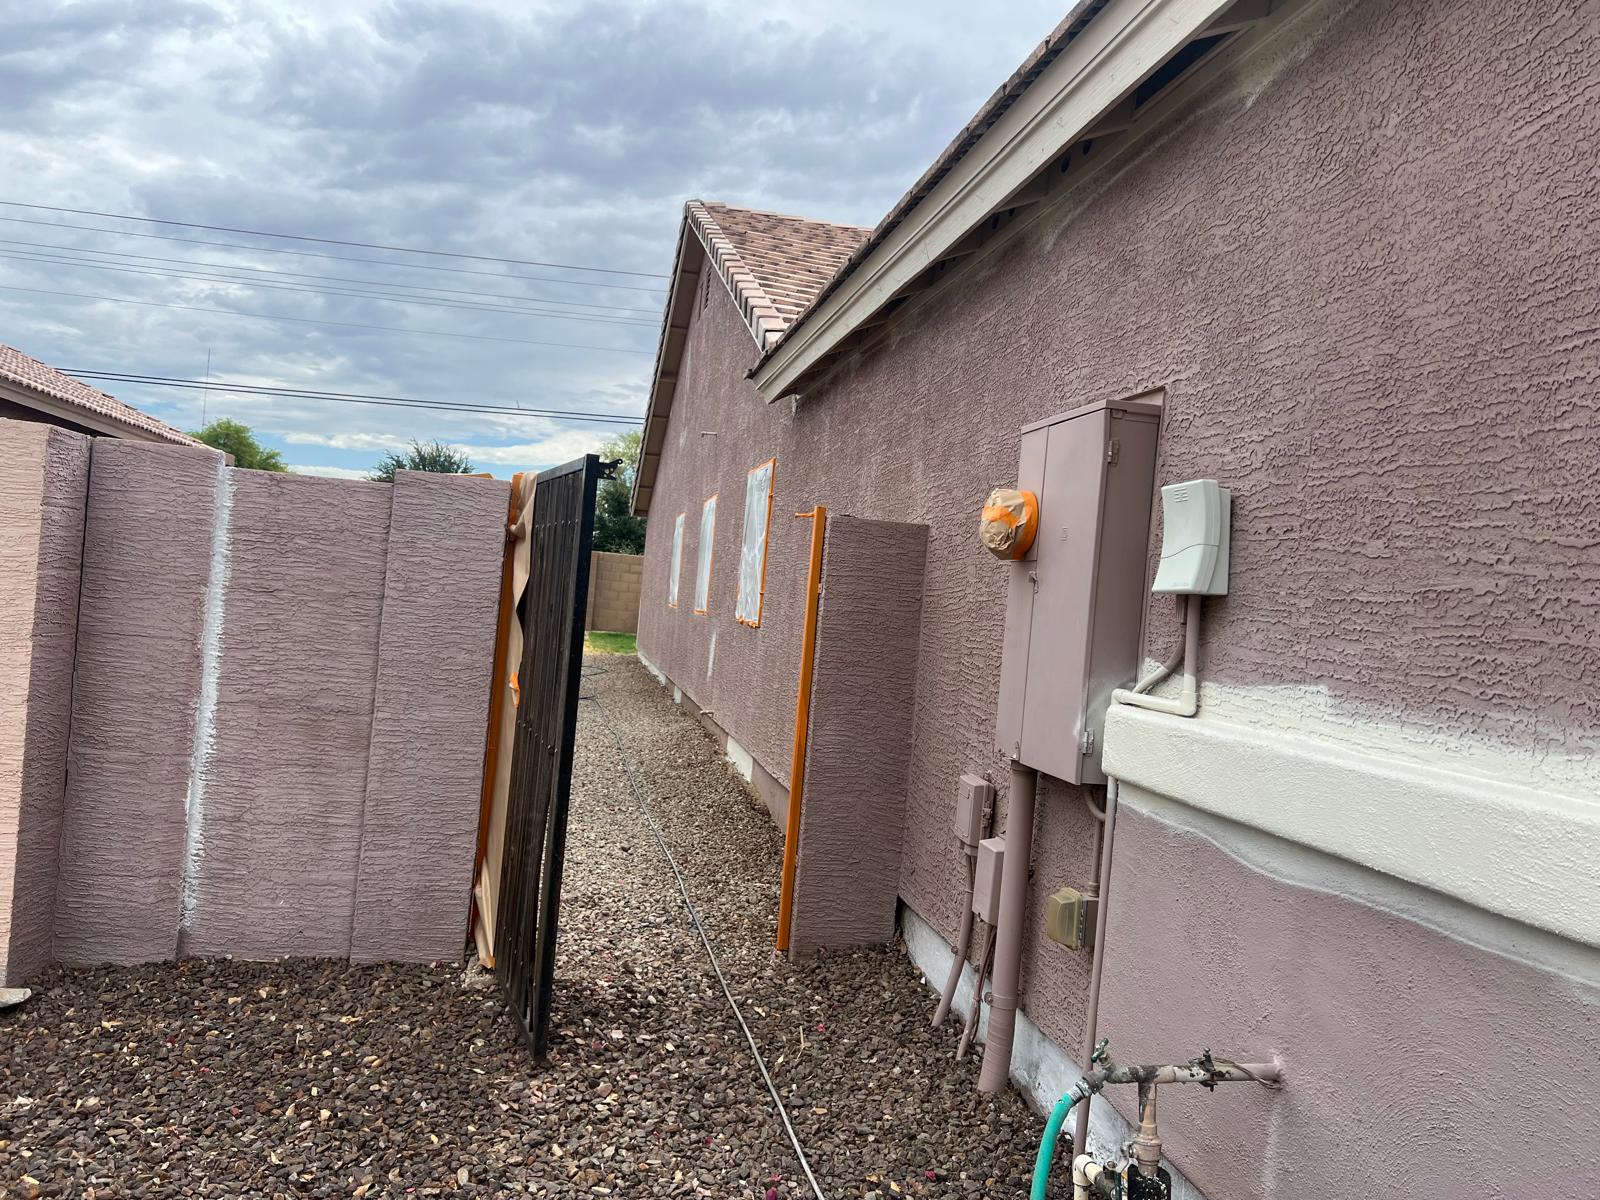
(1362, 275)
(280, 830)
(858, 756)
(1339, 991)
(146, 565)
(420, 822)
(43, 482)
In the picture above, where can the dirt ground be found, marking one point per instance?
(315, 1078)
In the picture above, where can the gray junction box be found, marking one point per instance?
(1075, 604)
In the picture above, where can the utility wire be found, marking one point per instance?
(287, 393)
(375, 262)
(301, 237)
(705, 940)
(465, 305)
(429, 290)
(227, 312)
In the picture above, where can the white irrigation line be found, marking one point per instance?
(694, 916)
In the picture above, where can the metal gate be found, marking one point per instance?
(553, 607)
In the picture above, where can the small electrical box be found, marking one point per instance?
(1195, 517)
(1067, 919)
(1075, 601)
(973, 799)
(986, 884)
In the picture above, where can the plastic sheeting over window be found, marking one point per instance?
(677, 561)
(753, 546)
(702, 574)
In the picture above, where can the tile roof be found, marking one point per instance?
(18, 369)
(773, 264)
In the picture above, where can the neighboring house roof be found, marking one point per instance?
(58, 394)
(773, 265)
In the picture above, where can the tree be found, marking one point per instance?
(422, 456)
(233, 438)
(615, 528)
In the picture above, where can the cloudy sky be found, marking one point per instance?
(565, 134)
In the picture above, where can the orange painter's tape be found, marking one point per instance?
(1009, 523)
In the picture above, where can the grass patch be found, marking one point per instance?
(597, 642)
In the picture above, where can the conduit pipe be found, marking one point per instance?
(962, 943)
(996, 1070)
(975, 1013)
(802, 728)
(1187, 702)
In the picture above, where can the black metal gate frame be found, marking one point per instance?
(553, 608)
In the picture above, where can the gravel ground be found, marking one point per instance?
(313, 1078)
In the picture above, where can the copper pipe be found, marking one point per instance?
(1147, 1142)
(1007, 986)
(1108, 829)
(802, 728)
(975, 1013)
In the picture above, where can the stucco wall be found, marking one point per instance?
(146, 567)
(1372, 326)
(419, 823)
(614, 582)
(1336, 987)
(280, 823)
(863, 701)
(43, 474)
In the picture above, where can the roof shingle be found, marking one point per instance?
(17, 368)
(773, 264)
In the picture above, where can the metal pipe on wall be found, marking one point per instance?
(1009, 929)
(802, 728)
(1080, 1137)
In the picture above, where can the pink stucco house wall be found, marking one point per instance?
(1349, 247)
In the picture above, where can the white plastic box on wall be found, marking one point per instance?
(1075, 602)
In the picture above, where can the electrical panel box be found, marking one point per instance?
(1075, 602)
(986, 882)
(972, 801)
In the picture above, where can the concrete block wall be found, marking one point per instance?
(614, 583)
(277, 713)
(147, 565)
(43, 477)
(858, 754)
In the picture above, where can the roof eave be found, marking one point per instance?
(87, 418)
(1071, 99)
(688, 261)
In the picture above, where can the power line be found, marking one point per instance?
(466, 305)
(227, 312)
(289, 393)
(375, 262)
(381, 283)
(300, 237)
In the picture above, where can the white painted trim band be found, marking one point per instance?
(1524, 852)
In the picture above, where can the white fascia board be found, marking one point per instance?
(1120, 47)
(1525, 852)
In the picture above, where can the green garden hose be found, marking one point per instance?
(1047, 1145)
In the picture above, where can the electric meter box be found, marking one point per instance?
(1075, 603)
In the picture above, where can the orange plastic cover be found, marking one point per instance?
(1010, 519)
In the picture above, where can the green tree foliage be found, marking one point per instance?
(237, 440)
(422, 456)
(615, 528)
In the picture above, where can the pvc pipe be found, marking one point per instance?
(962, 943)
(802, 728)
(1090, 1179)
(1097, 968)
(1188, 701)
(996, 1071)
(1047, 1146)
